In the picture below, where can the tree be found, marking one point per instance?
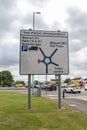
(6, 78)
(36, 82)
(67, 80)
(20, 82)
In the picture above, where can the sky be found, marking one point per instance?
(64, 15)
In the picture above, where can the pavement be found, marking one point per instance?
(56, 97)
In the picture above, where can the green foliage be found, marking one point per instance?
(20, 82)
(36, 82)
(6, 78)
(67, 80)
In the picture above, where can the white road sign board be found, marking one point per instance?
(44, 52)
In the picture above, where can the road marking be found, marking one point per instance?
(72, 105)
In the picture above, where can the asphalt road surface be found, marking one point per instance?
(79, 104)
(77, 101)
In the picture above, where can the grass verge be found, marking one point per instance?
(43, 114)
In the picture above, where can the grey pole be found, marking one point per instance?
(32, 84)
(33, 20)
(29, 91)
(33, 75)
(34, 29)
(59, 91)
(46, 84)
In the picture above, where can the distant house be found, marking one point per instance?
(85, 80)
(77, 81)
(54, 81)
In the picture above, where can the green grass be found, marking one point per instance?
(43, 115)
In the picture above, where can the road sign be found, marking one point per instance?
(44, 52)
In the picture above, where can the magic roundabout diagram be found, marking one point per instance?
(47, 60)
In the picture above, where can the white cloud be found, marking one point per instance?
(69, 15)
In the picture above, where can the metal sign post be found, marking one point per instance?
(29, 91)
(59, 91)
(32, 84)
(46, 84)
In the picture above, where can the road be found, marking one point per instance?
(78, 104)
(77, 101)
(54, 94)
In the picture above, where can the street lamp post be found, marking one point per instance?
(34, 29)
(29, 75)
(34, 18)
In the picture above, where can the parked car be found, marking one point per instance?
(44, 86)
(85, 87)
(73, 89)
(64, 85)
(51, 87)
(37, 86)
